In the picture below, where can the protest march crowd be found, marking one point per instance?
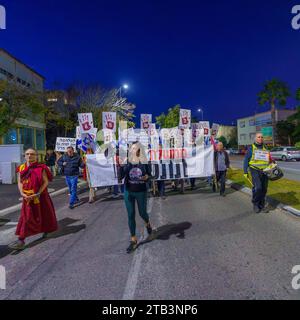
(132, 164)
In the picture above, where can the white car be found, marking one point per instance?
(286, 153)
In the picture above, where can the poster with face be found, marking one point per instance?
(109, 121)
(146, 120)
(86, 122)
(205, 126)
(185, 118)
(215, 129)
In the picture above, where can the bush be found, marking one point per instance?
(297, 145)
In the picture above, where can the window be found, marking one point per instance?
(40, 139)
(242, 124)
(252, 136)
(243, 136)
(251, 122)
(11, 137)
(26, 137)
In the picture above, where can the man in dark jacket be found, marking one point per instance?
(70, 164)
(222, 163)
(50, 160)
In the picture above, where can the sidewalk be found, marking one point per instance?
(9, 194)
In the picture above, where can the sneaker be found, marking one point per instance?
(132, 246)
(71, 206)
(18, 245)
(265, 210)
(256, 209)
(149, 229)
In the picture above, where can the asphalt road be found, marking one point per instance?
(204, 247)
(291, 169)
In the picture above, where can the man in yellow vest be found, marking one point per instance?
(257, 159)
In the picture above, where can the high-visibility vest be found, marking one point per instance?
(259, 164)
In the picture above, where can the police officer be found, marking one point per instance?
(257, 159)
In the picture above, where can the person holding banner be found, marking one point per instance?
(257, 159)
(37, 213)
(70, 164)
(137, 173)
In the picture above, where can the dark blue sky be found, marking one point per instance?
(216, 54)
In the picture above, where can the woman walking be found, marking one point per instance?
(137, 173)
(37, 213)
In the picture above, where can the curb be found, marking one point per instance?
(272, 201)
(17, 207)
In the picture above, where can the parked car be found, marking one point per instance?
(232, 151)
(285, 153)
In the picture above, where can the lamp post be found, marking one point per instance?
(200, 110)
(125, 87)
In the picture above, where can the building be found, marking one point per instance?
(260, 122)
(31, 131)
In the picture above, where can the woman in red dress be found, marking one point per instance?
(37, 213)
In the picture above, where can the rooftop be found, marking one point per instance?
(25, 65)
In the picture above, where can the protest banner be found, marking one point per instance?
(185, 118)
(215, 129)
(146, 120)
(63, 143)
(109, 121)
(205, 126)
(86, 122)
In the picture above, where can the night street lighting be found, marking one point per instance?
(200, 110)
(125, 86)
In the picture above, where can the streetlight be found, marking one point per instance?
(125, 87)
(200, 110)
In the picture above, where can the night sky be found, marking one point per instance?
(214, 54)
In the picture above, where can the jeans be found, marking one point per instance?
(141, 198)
(161, 188)
(221, 177)
(72, 184)
(260, 188)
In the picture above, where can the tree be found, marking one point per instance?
(295, 119)
(298, 94)
(274, 95)
(18, 102)
(233, 141)
(170, 120)
(96, 99)
(223, 140)
(285, 130)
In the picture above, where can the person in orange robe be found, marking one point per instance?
(37, 213)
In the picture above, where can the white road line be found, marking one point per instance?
(134, 271)
(133, 275)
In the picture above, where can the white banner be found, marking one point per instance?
(102, 171)
(86, 122)
(109, 121)
(146, 120)
(167, 164)
(63, 143)
(185, 118)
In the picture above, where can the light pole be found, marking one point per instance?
(125, 87)
(200, 110)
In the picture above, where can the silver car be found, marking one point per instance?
(286, 153)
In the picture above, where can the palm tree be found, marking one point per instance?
(274, 94)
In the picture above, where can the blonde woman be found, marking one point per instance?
(137, 173)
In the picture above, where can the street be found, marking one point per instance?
(204, 247)
(291, 169)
